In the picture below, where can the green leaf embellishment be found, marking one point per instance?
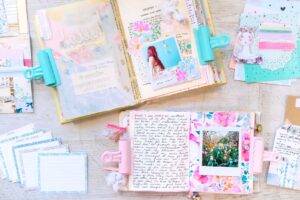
(185, 47)
(156, 31)
(244, 179)
(209, 115)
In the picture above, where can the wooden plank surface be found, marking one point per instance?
(86, 135)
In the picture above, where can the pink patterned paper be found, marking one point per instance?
(242, 184)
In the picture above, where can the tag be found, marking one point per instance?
(297, 103)
(292, 111)
(43, 25)
(192, 13)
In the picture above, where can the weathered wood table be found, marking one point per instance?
(86, 135)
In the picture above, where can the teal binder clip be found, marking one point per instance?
(204, 39)
(206, 43)
(47, 69)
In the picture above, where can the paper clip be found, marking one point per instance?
(46, 70)
(206, 43)
(122, 157)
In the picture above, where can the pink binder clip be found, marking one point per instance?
(272, 156)
(122, 157)
(259, 155)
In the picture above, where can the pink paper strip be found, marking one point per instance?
(278, 36)
(27, 62)
(277, 46)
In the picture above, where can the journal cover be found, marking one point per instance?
(124, 55)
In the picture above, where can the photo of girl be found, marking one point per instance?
(155, 63)
(164, 64)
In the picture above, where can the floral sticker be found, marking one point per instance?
(156, 31)
(185, 47)
(141, 27)
(142, 33)
(135, 45)
(181, 75)
(246, 147)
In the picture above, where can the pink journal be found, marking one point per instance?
(196, 152)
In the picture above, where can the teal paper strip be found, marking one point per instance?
(255, 73)
(274, 31)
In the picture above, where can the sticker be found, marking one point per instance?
(245, 52)
(297, 103)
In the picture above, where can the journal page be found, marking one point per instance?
(15, 91)
(220, 152)
(15, 57)
(285, 172)
(160, 150)
(13, 18)
(161, 45)
(89, 56)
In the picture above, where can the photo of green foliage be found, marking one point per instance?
(220, 149)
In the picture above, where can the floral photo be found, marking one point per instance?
(220, 149)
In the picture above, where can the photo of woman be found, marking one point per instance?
(155, 63)
(162, 62)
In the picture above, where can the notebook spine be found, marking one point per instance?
(134, 84)
(218, 65)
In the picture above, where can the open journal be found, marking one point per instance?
(214, 152)
(115, 54)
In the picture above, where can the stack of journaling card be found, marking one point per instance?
(267, 47)
(285, 171)
(36, 160)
